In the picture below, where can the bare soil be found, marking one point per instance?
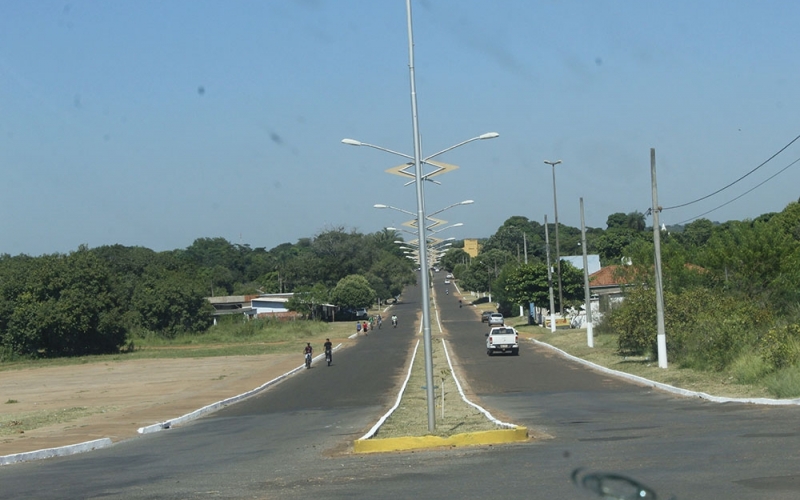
(57, 406)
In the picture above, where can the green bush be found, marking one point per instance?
(749, 368)
(780, 347)
(784, 383)
(705, 329)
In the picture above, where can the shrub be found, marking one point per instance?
(780, 347)
(784, 383)
(749, 368)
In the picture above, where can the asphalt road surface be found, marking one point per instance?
(291, 441)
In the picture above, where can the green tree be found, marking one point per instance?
(67, 306)
(353, 292)
(308, 300)
(527, 283)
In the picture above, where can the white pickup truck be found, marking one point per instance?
(502, 339)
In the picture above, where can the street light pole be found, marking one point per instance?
(423, 250)
(558, 251)
(419, 178)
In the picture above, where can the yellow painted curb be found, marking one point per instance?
(418, 442)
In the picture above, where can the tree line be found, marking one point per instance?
(732, 290)
(99, 300)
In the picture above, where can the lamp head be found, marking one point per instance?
(351, 142)
(489, 135)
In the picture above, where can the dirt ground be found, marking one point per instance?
(113, 399)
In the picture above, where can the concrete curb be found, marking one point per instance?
(500, 436)
(225, 402)
(106, 442)
(370, 444)
(61, 451)
(667, 387)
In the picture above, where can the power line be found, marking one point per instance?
(746, 192)
(737, 180)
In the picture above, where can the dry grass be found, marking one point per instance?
(18, 423)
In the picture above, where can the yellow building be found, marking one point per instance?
(472, 247)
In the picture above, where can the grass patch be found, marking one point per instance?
(730, 383)
(18, 423)
(784, 383)
(255, 337)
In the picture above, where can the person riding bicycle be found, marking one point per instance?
(328, 351)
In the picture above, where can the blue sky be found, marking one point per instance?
(155, 123)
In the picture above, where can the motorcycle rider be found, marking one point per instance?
(308, 354)
(394, 320)
(328, 351)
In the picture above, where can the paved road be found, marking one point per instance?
(688, 447)
(290, 441)
(260, 447)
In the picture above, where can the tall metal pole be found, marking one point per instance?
(661, 338)
(558, 250)
(525, 245)
(588, 294)
(549, 276)
(423, 241)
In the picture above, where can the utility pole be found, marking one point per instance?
(661, 338)
(558, 249)
(588, 293)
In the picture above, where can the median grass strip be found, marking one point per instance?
(458, 423)
(453, 414)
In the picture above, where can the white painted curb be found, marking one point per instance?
(62, 451)
(225, 402)
(105, 442)
(461, 391)
(667, 387)
(380, 422)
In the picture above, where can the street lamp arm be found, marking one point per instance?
(380, 205)
(465, 202)
(488, 135)
(353, 142)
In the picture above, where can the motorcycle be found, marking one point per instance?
(394, 321)
(328, 356)
(308, 360)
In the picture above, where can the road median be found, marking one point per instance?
(459, 422)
